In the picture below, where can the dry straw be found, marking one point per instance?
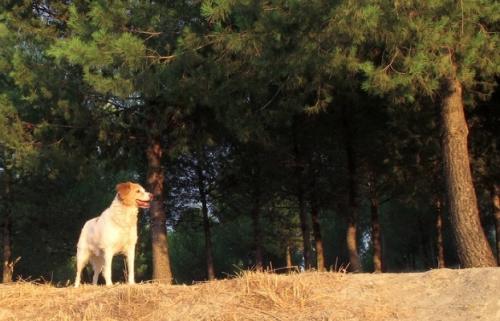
(470, 294)
(249, 296)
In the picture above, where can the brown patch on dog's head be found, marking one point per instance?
(132, 194)
(123, 191)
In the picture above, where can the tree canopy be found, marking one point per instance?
(355, 135)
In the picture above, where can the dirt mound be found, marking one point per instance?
(470, 294)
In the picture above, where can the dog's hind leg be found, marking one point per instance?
(97, 264)
(82, 257)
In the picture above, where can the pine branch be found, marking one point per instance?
(165, 59)
(150, 34)
(392, 61)
(272, 98)
(30, 125)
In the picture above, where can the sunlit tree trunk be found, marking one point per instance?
(288, 257)
(161, 260)
(318, 240)
(351, 236)
(495, 197)
(376, 239)
(472, 245)
(8, 265)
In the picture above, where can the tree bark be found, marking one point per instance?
(288, 255)
(376, 240)
(8, 264)
(351, 236)
(472, 245)
(318, 240)
(161, 261)
(257, 236)
(206, 222)
(304, 225)
(424, 245)
(439, 234)
(495, 197)
(305, 229)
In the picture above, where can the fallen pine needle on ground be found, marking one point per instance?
(443, 294)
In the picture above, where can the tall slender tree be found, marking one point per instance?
(299, 166)
(495, 197)
(8, 263)
(204, 193)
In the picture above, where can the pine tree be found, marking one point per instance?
(25, 93)
(125, 50)
(440, 50)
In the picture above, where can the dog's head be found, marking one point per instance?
(132, 194)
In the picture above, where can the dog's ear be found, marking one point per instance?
(123, 189)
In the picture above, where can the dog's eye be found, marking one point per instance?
(138, 191)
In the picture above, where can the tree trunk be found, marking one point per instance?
(288, 255)
(439, 235)
(257, 236)
(318, 241)
(423, 248)
(376, 240)
(305, 229)
(472, 245)
(351, 237)
(8, 264)
(304, 225)
(255, 214)
(206, 222)
(161, 260)
(495, 197)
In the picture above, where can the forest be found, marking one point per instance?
(275, 135)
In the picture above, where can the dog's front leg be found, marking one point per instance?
(130, 264)
(108, 260)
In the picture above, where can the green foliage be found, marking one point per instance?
(103, 52)
(16, 146)
(216, 10)
(264, 97)
(418, 44)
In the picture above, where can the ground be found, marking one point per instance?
(438, 295)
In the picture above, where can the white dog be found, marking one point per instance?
(114, 232)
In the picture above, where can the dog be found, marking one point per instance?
(113, 232)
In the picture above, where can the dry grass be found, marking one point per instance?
(250, 296)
